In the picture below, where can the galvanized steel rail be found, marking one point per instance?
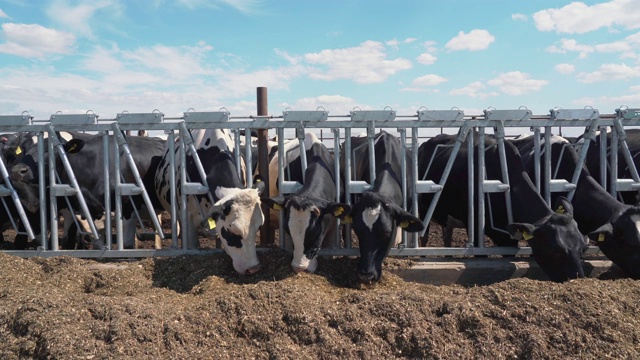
(341, 126)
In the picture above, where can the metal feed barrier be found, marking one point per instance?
(341, 126)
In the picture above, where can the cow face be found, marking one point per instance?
(377, 222)
(556, 243)
(619, 240)
(24, 169)
(237, 218)
(307, 221)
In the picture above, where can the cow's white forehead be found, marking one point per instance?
(555, 139)
(240, 196)
(636, 221)
(65, 135)
(370, 216)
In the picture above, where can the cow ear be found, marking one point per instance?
(258, 184)
(405, 220)
(338, 210)
(276, 203)
(563, 206)
(73, 146)
(602, 233)
(521, 231)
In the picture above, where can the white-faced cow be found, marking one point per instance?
(556, 242)
(86, 159)
(377, 215)
(614, 226)
(310, 213)
(236, 210)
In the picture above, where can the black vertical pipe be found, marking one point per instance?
(263, 162)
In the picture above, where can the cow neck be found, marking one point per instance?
(593, 206)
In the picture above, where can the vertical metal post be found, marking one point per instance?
(414, 175)
(347, 181)
(248, 158)
(603, 155)
(480, 190)
(107, 193)
(371, 134)
(184, 217)
(473, 186)
(263, 160)
(336, 171)
(281, 179)
(236, 153)
(536, 157)
(547, 164)
(613, 161)
(42, 192)
(118, 199)
(403, 170)
(171, 150)
(504, 169)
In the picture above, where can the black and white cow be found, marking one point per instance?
(614, 226)
(556, 242)
(310, 213)
(235, 214)
(85, 155)
(377, 215)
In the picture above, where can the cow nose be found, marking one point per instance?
(252, 270)
(298, 270)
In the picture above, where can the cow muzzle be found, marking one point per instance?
(252, 270)
(21, 173)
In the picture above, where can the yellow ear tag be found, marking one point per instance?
(404, 224)
(212, 224)
(600, 237)
(338, 211)
(18, 151)
(527, 236)
(560, 210)
(277, 207)
(73, 147)
(347, 220)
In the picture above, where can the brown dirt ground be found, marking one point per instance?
(197, 307)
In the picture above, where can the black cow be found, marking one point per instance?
(555, 240)
(86, 159)
(377, 215)
(235, 213)
(309, 213)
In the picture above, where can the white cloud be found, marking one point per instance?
(179, 62)
(35, 41)
(364, 64)
(293, 60)
(571, 45)
(475, 90)
(609, 72)
(429, 80)
(517, 83)
(336, 104)
(475, 40)
(426, 59)
(80, 17)
(579, 18)
(565, 68)
(521, 17)
(409, 40)
(244, 6)
(3, 15)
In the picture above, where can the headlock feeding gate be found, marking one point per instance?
(410, 128)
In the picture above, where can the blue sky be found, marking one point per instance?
(139, 55)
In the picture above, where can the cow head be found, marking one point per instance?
(376, 223)
(619, 240)
(22, 159)
(237, 217)
(307, 221)
(556, 243)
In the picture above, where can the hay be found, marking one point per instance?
(198, 307)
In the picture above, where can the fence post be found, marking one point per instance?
(263, 162)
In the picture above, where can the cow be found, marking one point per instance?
(310, 213)
(85, 155)
(377, 215)
(614, 226)
(556, 242)
(235, 214)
